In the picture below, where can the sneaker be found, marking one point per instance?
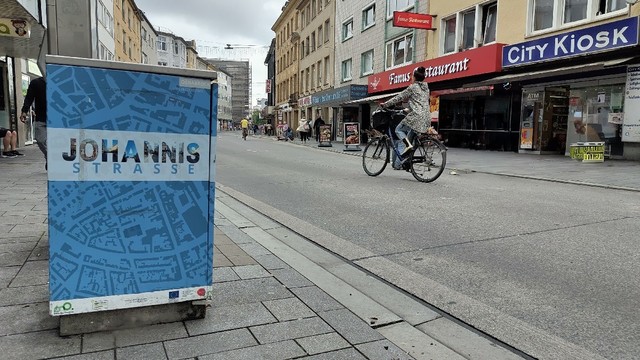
(16, 153)
(8, 154)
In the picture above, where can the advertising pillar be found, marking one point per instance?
(131, 155)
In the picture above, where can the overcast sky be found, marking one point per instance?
(214, 23)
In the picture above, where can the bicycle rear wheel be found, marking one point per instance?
(375, 156)
(428, 160)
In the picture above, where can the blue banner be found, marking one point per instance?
(609, 36)
(131, 188)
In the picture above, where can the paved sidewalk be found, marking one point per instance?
(614, 174)
(262, 306)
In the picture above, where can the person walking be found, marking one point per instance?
(37, 92)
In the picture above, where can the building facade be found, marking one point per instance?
(287, 30)
(105, 30)
(317, 55)
(127, 22)
(240, 73)
(270, 85)
(225, 96)
(192, 55)
(148, 40)
(171, 50)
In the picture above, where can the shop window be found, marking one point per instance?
(367, 63)
(347, 29)
(399, 51)
(398, 5)
(369, 16)
(552, 14)
(346, 70)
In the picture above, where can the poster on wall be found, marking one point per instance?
(631, 120)
(325, 135)
(434, 105)
(526, 138)
(352, 136)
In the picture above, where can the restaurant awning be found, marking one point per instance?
(370, 98)
(14, 42)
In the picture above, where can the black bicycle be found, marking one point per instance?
(426, 161)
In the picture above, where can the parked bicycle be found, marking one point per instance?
(426, 161)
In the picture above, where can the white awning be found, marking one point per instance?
(370, 98)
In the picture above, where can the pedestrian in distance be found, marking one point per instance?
(37, 93)
(316, 127)
(418, 119)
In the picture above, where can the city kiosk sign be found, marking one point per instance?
(609, 36)
(483, 60)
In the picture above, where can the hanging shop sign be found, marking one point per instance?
(482, 60)
(15, 28)
(339, 95)
(412, 20)
(267, 86)
(605, 37)
(305, 101)
(631, 119)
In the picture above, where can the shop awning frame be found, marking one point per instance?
(539, 74)
(370, 98)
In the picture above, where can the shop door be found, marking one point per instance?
(553, 132)
(28, 126)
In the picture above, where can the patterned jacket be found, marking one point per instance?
(419, 116)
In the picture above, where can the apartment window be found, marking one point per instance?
(313, 76)
(175, 48)
(306, 50)
(327, 69)
(319, 67)
(489, 15)
(308, 19)
(367, 63)
(346, 70)
(144, 35)
(122, 8)
(314, 8)
(398, 5)
(313, 41)
(162, 43)
(124, 41)
(326, 30)
(369, 16)
(575, 10)
(399, 51)
(306, 80)
(130, 53)
(549, 14)
(347, 29)
(319, 6)
(468, 29)
(162, 63)
(302, 48)
(145, 58)
(320, 36)
(105, 18)
(303, 17)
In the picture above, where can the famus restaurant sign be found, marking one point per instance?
(482, 60)
(609, 36)
(412, 20)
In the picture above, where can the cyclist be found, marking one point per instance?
(244, 124)
(418, 117)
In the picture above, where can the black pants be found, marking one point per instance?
(304, 135)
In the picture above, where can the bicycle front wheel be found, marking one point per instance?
(428, 160)
(375, 156)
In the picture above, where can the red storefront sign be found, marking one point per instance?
(412, 20)
(268, 86)
(483, 60)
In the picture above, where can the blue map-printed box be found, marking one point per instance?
(131, 158)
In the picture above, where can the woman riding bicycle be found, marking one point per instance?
(418, 117)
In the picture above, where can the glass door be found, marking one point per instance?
(531, 119)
